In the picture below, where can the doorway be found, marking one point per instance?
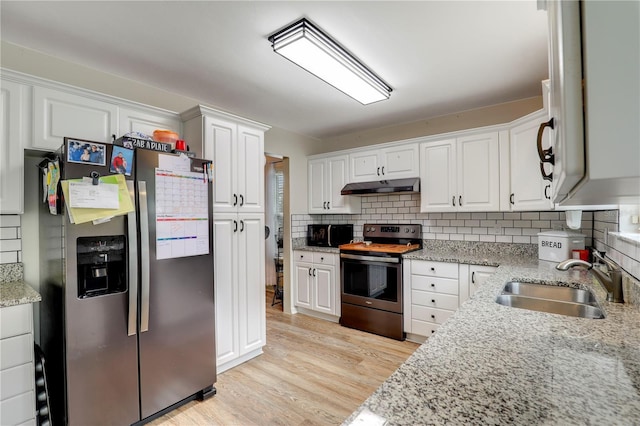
(275, 188)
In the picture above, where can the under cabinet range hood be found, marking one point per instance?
(382, 187)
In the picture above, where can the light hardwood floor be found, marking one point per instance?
(312, 372)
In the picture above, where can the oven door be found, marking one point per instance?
(371, 281)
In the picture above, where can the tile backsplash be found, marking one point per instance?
(10, 239)
(622, 250)
(600, 227)
(499, 227)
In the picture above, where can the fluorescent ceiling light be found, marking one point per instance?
(308, 47)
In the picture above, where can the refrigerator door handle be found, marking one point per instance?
(144, 256)
(132, 236)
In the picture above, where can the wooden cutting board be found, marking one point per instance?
(382, 248)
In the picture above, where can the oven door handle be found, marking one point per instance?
(370, 258)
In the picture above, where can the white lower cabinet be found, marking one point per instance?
(317, 287)
(239, 288)
(17, 376)
(431, 295)
(471, 277)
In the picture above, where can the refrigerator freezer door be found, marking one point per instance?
(101, 359)
(177, 352)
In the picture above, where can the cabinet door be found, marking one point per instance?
(337, 175)
(566, 95)
(437, 176)
(324, 291)
(131, 120)
(478, 275)
(12, 121)
(317, 185)
(219, 146)
(364, 166)
(225, 287)
(58, 114)
(303, 270)
(478, 173)
(400, 162)
(303, 284)
(251, 282)
(250, 170)
(528, 190)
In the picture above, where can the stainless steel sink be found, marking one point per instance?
(543, 291)
(552, 299)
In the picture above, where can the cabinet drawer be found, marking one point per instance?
(18, 409)
(423, 328)
(434, 284)
(15, 320)
(16, 350)
(434, 300)
(303, 256)
(424, 313)
(434, 269)
(324, 258)
(16, 380)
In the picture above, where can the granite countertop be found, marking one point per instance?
(17, 293)
(477, 253)
(492, 364)
(13, 290)
(334, 250)
(301, 244)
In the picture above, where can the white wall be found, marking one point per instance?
(480, 117)
(296, 148)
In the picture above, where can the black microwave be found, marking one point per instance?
(329, 235)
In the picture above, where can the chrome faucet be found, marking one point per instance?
(612, 280)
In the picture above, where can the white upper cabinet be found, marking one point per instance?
(13, 131)
(528, 189)
(387, 163)
(438, 176)
(594, 63)
(143, 121)
(236, 147)
(237, 153)
(461, 174)
(478, 173)
(326, 178)
(58, 114)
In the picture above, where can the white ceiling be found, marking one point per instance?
(440, 57)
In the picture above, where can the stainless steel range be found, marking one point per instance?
(371, 278)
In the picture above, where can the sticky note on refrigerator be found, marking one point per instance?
(82, 214)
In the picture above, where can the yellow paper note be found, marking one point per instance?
(83, 215)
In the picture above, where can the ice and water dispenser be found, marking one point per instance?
(102, 265)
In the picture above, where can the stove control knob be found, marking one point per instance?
(406, 230)
(413, 231)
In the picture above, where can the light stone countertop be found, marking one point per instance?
(492, 364)
(17, 293)
(14, 291)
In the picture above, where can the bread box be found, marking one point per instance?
(556, 246)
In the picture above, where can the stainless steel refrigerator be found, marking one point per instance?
(127, 312)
